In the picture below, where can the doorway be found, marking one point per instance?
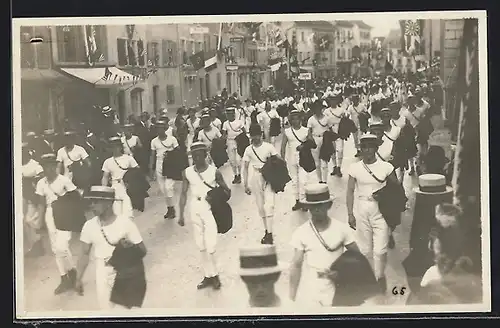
(121, 106)
(207, 85)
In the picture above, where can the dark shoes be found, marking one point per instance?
(336, 172)
(267, 239)
(213, 282)
(382, 283)
(170, 213)
(67, 282)
(237, 179)
(392, 243)
(297, 206)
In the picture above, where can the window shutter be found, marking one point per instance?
(150, 55)
(122, 52)
(174, 53)
(165, 52)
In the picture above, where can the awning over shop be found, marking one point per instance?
(101, 76)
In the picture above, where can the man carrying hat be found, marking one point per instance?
(163, 143)
(366, 177)
(199, 179)
(319, 241)
(104, 232)
(260, 270)
(230, 130)
(255, 156)
(49, 189)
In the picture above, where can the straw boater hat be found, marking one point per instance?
(49, 132)
(69, 133)
(101, 192)
(230, 110)
(295, 112)
(385, 110)
(106, 110)
(115, 140)
(317, 193)
(128, 126)
(30, 134)
(198, 145)
(369, 138)
(432, 184)
(259, 260)
(48, 159)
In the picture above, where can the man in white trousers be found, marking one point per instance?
(163, 143)
(49, 188)
(293, 138)
(318, 124)
(256, 154)
(230, 130)
(373, 233)
(199, 179)
(335, 112)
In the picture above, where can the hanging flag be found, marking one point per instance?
(198, 60)
(323, 43)
(210, 61)
(310, 39)
(219, 38)
(101, 58)
(280, 40)
(412, 33)
(275, 64)
(107, 74)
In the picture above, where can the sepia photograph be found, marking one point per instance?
(242, 165)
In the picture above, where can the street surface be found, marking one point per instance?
(172, 262)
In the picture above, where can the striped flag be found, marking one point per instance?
(210, 60)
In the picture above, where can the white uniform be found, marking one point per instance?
(217, 124)
(318, 127)
(116, 167)
(335, 115)
(59, 240)
(129, 144)
(248, 112)
(91, 234)
(372, 230)
(233, 129)
(314, 290)
(31, 223)
(262, 191)
(161, 147)
(69, 157)
(264, 119)
(297, 173)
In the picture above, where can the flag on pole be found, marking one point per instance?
(107, 74)
(210, 61)
(219, 43)
(412, 33)
(198, 60)
(275, 63)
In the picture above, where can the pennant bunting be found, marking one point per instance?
(107, 74)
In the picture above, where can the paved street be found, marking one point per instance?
(172, 263)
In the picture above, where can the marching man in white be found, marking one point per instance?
(318, 124)
(366, 177)
(199, 179)
(264, 120)
(255, 156)
(293, 138)
(70, 154)
(231, 129)
(193, 123)
(335, 112)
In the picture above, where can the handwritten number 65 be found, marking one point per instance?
(398, 291)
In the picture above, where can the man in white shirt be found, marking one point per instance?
(248, 109)
(104, 232)
(50, 188)
(320, 242)
(335, 112)
(231, 129)
(264, 120)
(216, 123)
(255, 157)
(354, 109)
(163, 143)
(366, 177)
(318, 124)
(199, 179)
(71, 154)
(293, 139)
(193, 124)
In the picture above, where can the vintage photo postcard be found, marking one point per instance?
(251, 165)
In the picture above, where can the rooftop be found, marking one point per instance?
(362, 24)
(344, 23)
(314, 24)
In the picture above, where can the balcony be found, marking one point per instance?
(72, 44)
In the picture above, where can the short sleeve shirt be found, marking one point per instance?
(51, 191)
(122, 227)
(117, 166)
(31, 169)
(317, 257)
(208, 136)
(366, 184)
(192, 125)
(162, 146)
(318, 125)
(233, 129)
(264, 151)
(69, 157)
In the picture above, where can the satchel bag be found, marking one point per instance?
(391, 200)
(69, 211)
(223, 216)
(81, 173)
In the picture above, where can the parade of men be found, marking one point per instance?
(286, 182)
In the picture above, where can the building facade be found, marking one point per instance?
(361, 46)
(344, 42)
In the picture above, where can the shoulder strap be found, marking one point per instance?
(291, 128)
(416, 118)
(257, 155)
(371, 173)
(232, 127)
(320, 238)
(125, 169)
(206, 136)
(162, 142)
(201, 178)
(67, 154)
(50, 188)
(104, 235)
(334, 114)
(319, 122)
(385, 134)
